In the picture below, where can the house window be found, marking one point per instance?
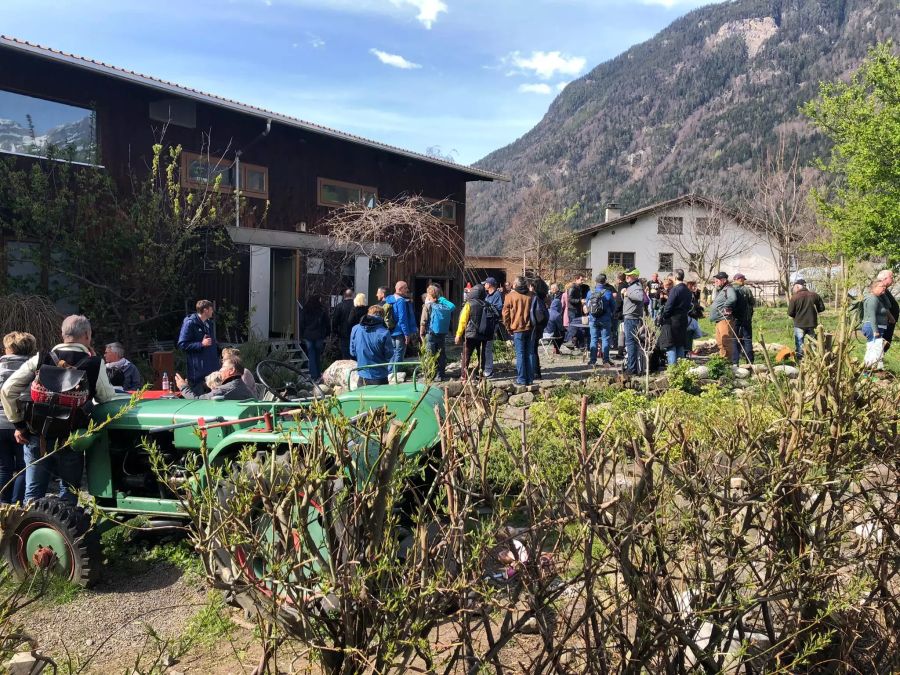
(338, 193)
(445, 211)
(621, 259)
(201, 171)
(32, 126)
(666, 262)
(711, 227)
(670, 225)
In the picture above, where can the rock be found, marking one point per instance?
(738, 483)
(326, 390)
(535, 388)
(167, 660)
(24, 663)
(501, 397)
(89, 643)
(547, 384)
(522, 400)
(530, 627)
(661, 382)
(340, 390)
(454, 388)
(519, 389)
(788, 371)
(741, 373)
(174, 672)
(760, 368)
(701, 372)
(336, 374)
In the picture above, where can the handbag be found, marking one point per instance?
(874, 353)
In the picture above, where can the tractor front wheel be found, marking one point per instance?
(51, 534)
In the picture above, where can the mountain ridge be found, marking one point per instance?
(690, 110)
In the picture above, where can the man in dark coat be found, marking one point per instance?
(673, 320)
(197, 339)
(340, 322)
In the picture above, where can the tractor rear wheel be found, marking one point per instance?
(51, 534)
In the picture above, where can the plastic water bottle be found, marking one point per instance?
(165, 381)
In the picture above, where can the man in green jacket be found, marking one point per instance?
(721, 313)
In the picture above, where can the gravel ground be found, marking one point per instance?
(105, 629)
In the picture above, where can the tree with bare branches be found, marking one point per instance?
(714, 239)
(781, 208)
(541, 237)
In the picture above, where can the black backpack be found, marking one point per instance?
(539, 313)
(487, 323)
(596, 304)
(60, 395)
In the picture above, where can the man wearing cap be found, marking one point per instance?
(721, 313)
(494, 302)
(601, 306)
(804, 308)
(744, 322)
(633, 309)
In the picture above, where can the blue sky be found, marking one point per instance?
(464, 76)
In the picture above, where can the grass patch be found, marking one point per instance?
(206, 627)
(128, 547)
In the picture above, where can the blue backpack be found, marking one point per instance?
(440, 318)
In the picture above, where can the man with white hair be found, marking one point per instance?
(44, 458)
(120, 371)
(886, 277)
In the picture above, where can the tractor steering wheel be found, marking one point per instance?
(290, 390)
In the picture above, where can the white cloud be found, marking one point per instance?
(394, 60)
(428, 9)
(539, 88)
(562, 85)
(547, 64)
(315, 41)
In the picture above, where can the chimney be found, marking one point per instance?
(612, 212)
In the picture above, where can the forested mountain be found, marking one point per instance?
(692, 109)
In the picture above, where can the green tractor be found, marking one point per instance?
(123, 483)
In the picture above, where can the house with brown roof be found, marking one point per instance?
(296, 171)
(692, 232)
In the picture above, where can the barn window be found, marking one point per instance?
(32, 126)
(339, 193)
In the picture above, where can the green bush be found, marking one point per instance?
(679, 377)
(719, 367)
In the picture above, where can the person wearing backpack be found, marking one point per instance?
(601, 307)
(540, 317)
(517, 319)
(398, 310)
(63, 383)
(477, 325)
(437, 312)
(18, 348)
(494, 300)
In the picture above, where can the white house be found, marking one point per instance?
(692, 232)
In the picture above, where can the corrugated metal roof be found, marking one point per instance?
(221, 102)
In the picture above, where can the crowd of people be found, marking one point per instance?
(526, 312)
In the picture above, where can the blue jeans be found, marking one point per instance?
(632, 348)
(399, 351)
(673, 354)
(654, 307)
(869, 333)
(488, 358)
(601, 331)
(524, 358)
(743, 344)
(799, 335)
(67, 465)
(438, 344)
(314, 349)
(12, 463)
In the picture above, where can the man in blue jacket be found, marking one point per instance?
(197, 340)
(600, 307)
(371, 343)
(405, 322)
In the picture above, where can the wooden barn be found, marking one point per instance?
(296, 170)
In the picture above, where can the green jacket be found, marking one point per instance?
(723, 303)
(875, 311)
